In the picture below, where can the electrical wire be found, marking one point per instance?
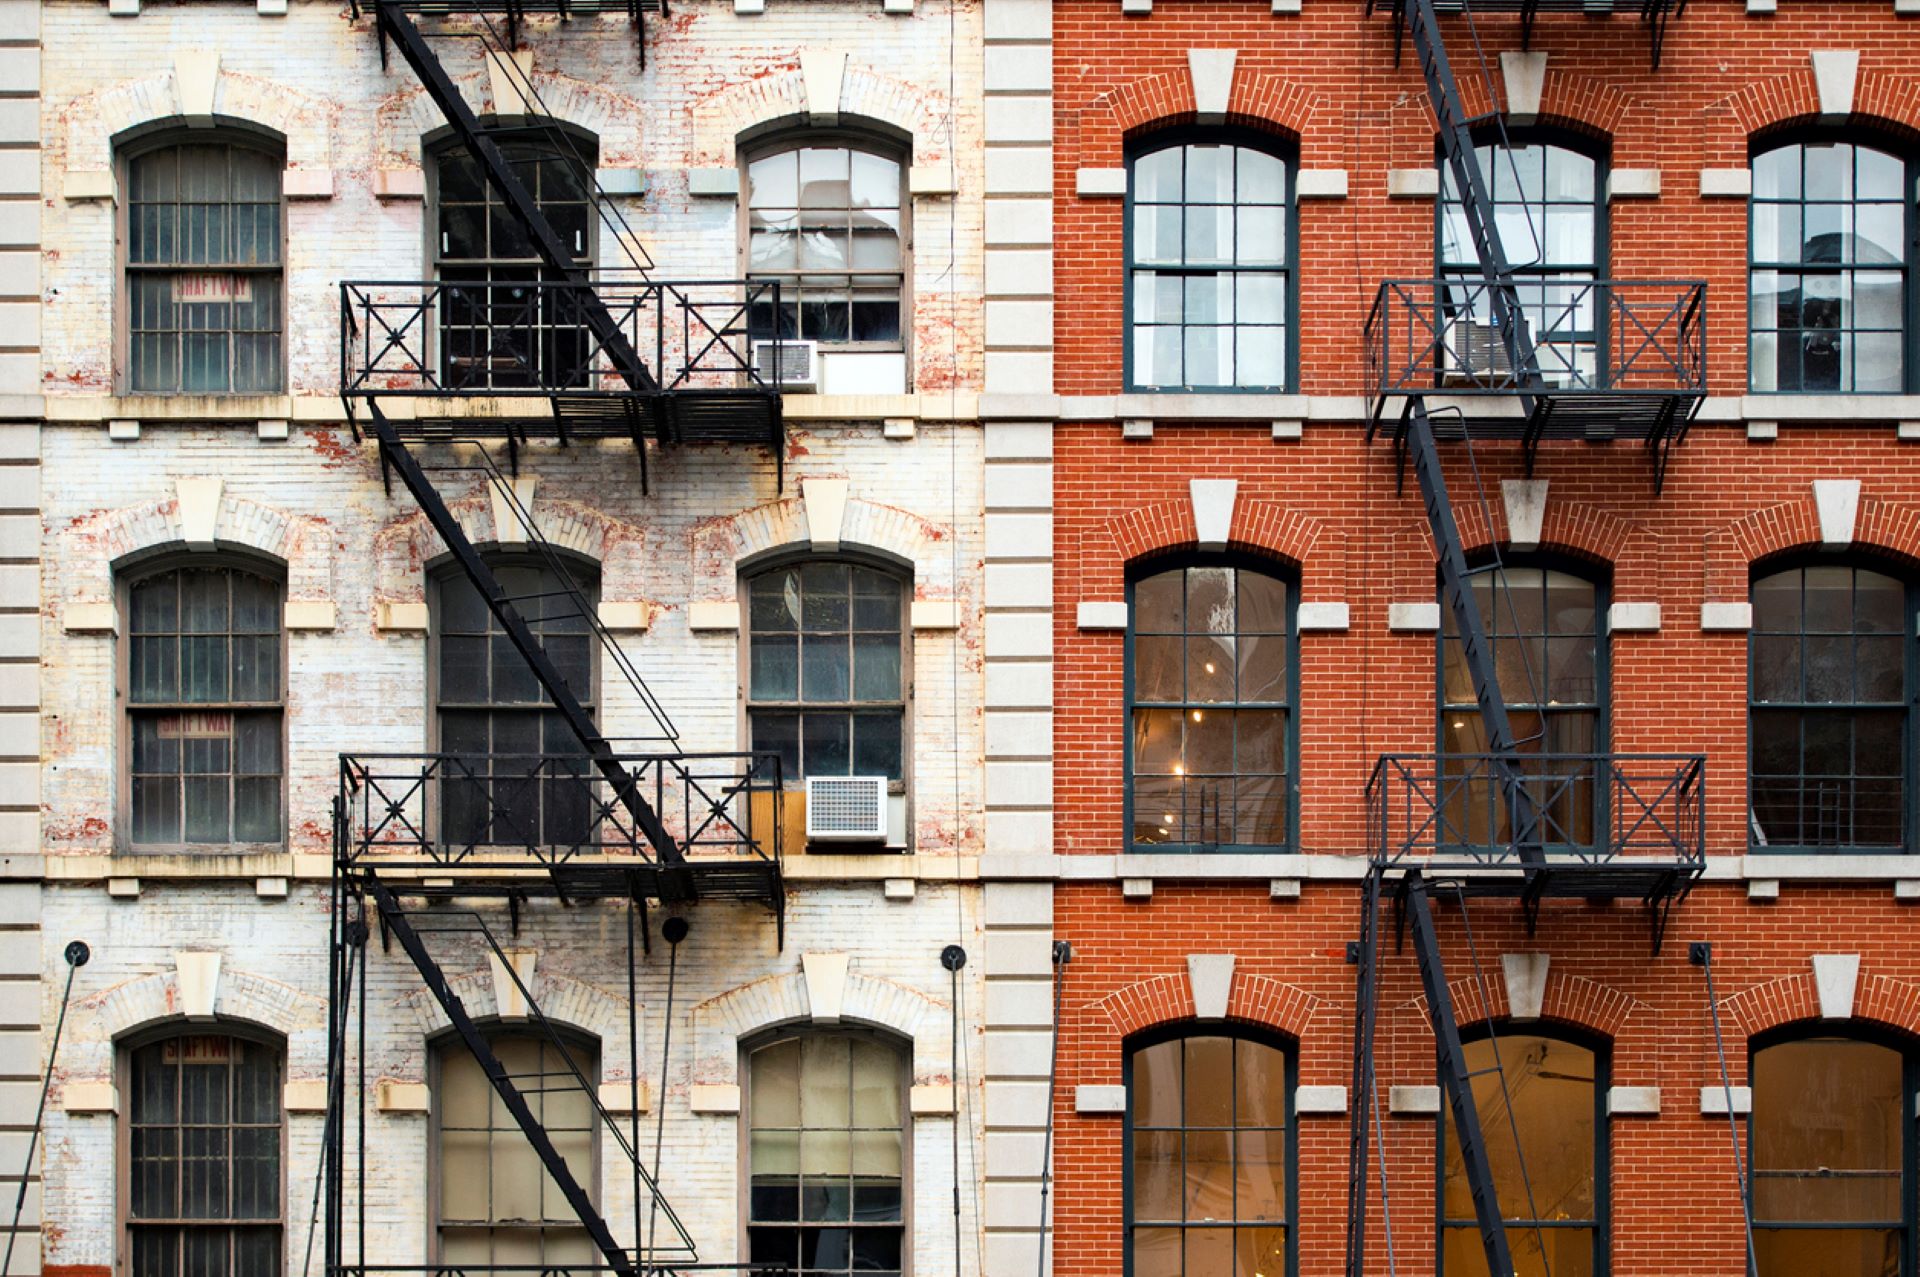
(1062, 955)
(1705, 953)
(76, 955)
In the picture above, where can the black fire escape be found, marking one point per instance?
(423, 840)
(1493, 358)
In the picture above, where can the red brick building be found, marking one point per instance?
(1229, 559)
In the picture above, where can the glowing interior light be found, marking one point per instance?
(1197, 716)
(1209, 667)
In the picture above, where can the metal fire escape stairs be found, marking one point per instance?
(1419, 23)
(409, 907)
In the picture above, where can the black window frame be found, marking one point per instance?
(1272, 145)
(1907, 153)
(131, 150)
(1288, 577)
(1876, 1035)
(1554, 1030)
(1910, 626)
(1239, 1031)
(1598, 151)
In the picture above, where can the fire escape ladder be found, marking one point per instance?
(1456, 1079)
(598, 749)
(397, 25)
(1365, 954)
(513, 1090)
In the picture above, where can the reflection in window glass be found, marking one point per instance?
(825, 684)
(203, 1176)
(826, 1163)
(1212, 673)
(826, 223)
(497, 1203)
(204, 270)
(1208, 1159)
(1828, 1124)
(1828, 286)
(205, 707)
(1554, 1162)
(1828, 687)
(1543, 629)
(1546, 202)
(1209, 278)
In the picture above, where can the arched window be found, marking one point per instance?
(203, 267)
(827, 1154)
(826, 684)
(503, 331)
(1543, 626)
(1550, 1089)
(203, 1156)
(1831, 233)
(1547, 201)
(1210, 234)
(826, 219)
(205, 707)
(1212, 673)
(494, 718)
(496, 1203)
(1832, 1156)
(1210, 1156)
(1827, 730)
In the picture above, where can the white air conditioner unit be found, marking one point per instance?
(798, 364)
(1473, 352)
(846, 808)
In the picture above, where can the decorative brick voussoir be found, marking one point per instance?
(99, 546)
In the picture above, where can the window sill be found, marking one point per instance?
(189, 866)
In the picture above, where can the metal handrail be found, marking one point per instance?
(1591, 809)
(506, 811)
(531, 338)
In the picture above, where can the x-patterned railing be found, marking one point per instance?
(1451, 810)
(544, 810)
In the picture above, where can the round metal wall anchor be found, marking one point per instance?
(953, 957)
(674, 930)
(77, 953)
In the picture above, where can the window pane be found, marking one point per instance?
(1551, 1084)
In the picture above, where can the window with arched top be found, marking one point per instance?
(1211, 683)
(827, 1152)
(1209, 250)
(1549, 208)
(827, 220)
(1210, 1154)
(498, 327)
(1828, 735)
(206, 702)
(1831, 1154)
(1831, 232)
(1542, 1113)
(1544, 630)
(203, 259)
(203, 1149)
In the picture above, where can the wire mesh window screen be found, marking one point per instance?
(497, 1203)
(204, 1158)
(1829, 226)
(826, 1157)
(204, 272)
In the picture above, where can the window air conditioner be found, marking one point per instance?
(846, 808)
(1473, 353)
(799, 364)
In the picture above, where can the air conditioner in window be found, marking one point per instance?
(1473, 353)
(787, 365)
(846, 809)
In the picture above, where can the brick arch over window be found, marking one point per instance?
(1888, 104)
(96, 121)
(1729, 552)
(242, 997)
(1581, 529)
(101, 544)
(1102, 1028)
(1580, 104)
(405, 119)
(1878, 999)
(720, 546)
(595, 1013)
(762, 104)
(1264, 528)
(722, 1022)
(1265, 102)
(404, 547)
(1568, 999)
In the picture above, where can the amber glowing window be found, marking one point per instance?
(1548, 1178)
(204, 1173)
(1829, 1133)
(1208, 1158)
(497, 1205)
(826, 1157)
(1210, 691)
